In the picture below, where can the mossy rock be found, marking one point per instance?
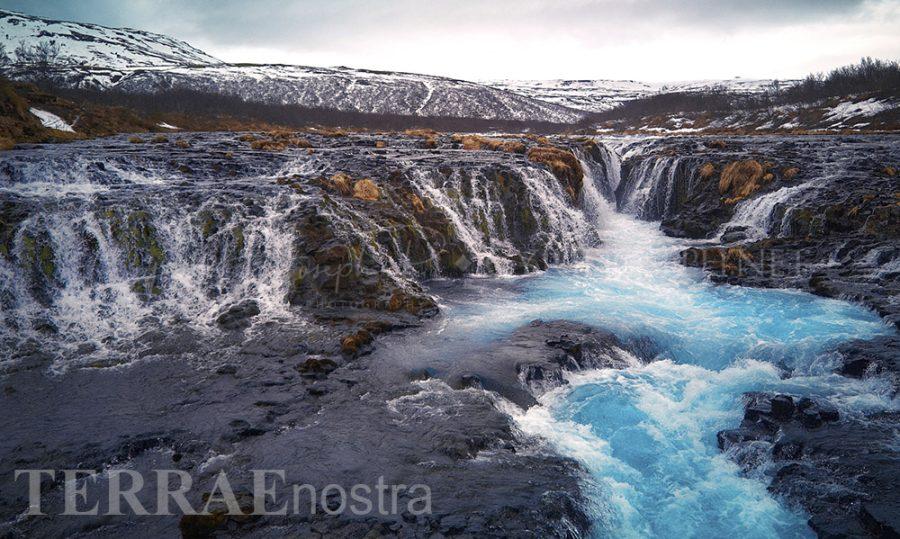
(137, 238)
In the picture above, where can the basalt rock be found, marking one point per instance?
(238, 316)
(536, 357)
(823, 461)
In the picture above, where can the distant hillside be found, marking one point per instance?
(85, 55)
(600, 95)
(93, 45)
(853, 98)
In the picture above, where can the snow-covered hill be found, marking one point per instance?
(600, 94)
(133, 60)
(94, 45)
(95, 56)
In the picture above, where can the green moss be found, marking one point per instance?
(208, 224)
(238, 234)
(38, 256)
(482, 223)
(142, 251)
(48, 267)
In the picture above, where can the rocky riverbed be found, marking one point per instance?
(820, 214)
(209, 302)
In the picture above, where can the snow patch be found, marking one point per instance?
(52, 121)
(849, 109)
(164, 125)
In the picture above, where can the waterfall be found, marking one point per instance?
(101, 243)
(758, 217)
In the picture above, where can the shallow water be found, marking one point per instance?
(648, 434)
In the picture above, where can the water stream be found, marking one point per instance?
(647, 434)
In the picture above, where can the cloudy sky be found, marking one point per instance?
(652, 40)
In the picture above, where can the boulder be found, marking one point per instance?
(238, 315)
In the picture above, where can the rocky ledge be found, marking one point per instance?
(829, 464)
(287, 398)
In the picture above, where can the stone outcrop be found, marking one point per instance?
(823, 461)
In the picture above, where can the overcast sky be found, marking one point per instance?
(651, 40)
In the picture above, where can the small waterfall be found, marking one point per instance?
(468, 217)
(100, 244)
(599, 184)
(763, 215)
(504, 217)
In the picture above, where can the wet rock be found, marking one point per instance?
(879, 356)
(238, 316)
(316, 367)
(227, 370)
(535, 358)
(734, 234)
(836, 468)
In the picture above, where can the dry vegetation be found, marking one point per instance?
(276, 140)
(363, 189)
(366, 189)
(428, 136)
(564, 165)
(741, 179)
(477, 142)
(707, 170)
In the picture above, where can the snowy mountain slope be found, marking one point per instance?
(600, 95)
(132, 60)
(94, 45)
(338, 88)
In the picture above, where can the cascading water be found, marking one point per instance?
(102, 243)
(757, 216)
(476, 207)
(647, 433)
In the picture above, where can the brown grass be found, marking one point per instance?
(280, 142)
(477, 142)
(134, 139)
(424, 133)
(564, 165)
(790, 173)
(416, 203)
(742, 178)
(707, 170)
(366, 189)
(343, 183)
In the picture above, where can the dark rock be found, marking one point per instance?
(226, 369)
(782, 407)
(535, 357)
(238, 316)
(841, 470)
(316, 367)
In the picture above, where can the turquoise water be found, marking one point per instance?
(648, 434)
